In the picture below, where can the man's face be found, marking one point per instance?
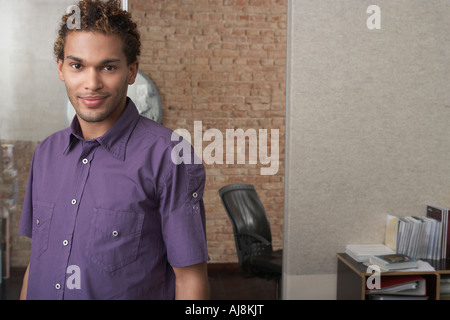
(96, 75)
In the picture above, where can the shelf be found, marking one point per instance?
(352, 277)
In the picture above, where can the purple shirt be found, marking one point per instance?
(110, 217)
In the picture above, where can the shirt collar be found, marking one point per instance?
(116, 138)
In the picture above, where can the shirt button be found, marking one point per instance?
(115, 233)
(57, 286)
(85, 161)
(65, 243)
(74, 201)
(195, 195)
(37, 221)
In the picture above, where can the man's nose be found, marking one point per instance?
(92, 80)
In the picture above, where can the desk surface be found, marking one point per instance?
(441, 266)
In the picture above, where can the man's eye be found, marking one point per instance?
(110, 68)
(76, 66)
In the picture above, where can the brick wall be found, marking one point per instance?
(221, 62)
(12, 192)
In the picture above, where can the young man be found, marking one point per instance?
(110, 215)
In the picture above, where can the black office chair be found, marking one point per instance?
(252, 232)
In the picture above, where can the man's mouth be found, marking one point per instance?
(93, 101)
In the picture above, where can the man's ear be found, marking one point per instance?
(60, 66)
(133, 69)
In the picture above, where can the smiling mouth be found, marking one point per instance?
(93, 101)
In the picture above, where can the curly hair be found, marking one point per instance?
(107, 18)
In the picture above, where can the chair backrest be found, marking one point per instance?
(246, 212)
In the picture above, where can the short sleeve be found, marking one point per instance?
(26, 219)
(183, 214)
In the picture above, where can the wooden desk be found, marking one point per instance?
(352, 277)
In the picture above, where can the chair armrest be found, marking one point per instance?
(249, 245)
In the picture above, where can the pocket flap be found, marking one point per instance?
(42, 210)
(117, 223)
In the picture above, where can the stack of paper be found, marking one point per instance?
(444, 290)
(363, 252)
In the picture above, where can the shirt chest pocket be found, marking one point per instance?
(114, 238)
(42, 217)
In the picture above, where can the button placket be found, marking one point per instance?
(83, 166)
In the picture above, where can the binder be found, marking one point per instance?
(401, 285)
(441, 214)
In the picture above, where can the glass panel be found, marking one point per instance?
(32, 106)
